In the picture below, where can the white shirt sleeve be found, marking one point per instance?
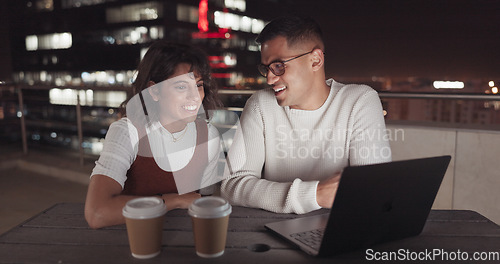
(119, 151)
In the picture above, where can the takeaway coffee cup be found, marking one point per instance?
(144, 220)
(210, 217)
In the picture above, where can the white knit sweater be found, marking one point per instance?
(279, 154)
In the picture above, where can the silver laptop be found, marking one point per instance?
(374, 204)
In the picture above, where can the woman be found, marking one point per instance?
(160, 147)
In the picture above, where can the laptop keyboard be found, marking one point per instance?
(311, 238)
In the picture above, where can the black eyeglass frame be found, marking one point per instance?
(264, 69)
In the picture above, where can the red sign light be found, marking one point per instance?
(202, 16)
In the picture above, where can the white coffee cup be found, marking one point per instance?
(144, 220)
(210, 217)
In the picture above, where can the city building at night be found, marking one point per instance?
(71, 42)
(89, 49)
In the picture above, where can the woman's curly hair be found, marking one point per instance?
(160, 62)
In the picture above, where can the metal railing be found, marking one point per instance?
(406, 95)
(19, 89)
(450, 96)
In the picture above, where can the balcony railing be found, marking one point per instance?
(472, 179)
(78, 122)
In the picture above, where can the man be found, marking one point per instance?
(295, 139)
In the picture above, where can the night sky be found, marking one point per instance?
(399, 38)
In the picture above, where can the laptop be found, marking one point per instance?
(374, 204)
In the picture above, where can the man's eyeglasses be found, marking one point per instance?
(277, 67)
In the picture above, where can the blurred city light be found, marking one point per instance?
(448, 85)
(49, 41)
(202, 13)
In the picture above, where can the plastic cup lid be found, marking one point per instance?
(209, 207)
(144, 208)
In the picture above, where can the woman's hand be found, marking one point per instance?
(175, 201)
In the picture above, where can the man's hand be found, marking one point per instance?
(325, 193)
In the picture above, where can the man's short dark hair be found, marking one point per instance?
(296, 30)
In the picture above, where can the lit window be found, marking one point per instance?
(239, 5)
(62, 96)
(98, 78)
(257, 26)
(253, 47)
(49, 41)
(115, 98)
(246, 24)
(232, 21)
(45, 5)
(187, 13)
(135, 12)
(87, 97)
(61, 41)
(237, 22)
(230, 59)
(31, 42)
(80, 3)
(448, 85)
(154, 33)
(43, 76)
(133, 35)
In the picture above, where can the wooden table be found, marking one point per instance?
(61, 235)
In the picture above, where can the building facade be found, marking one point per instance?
(64, 51)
